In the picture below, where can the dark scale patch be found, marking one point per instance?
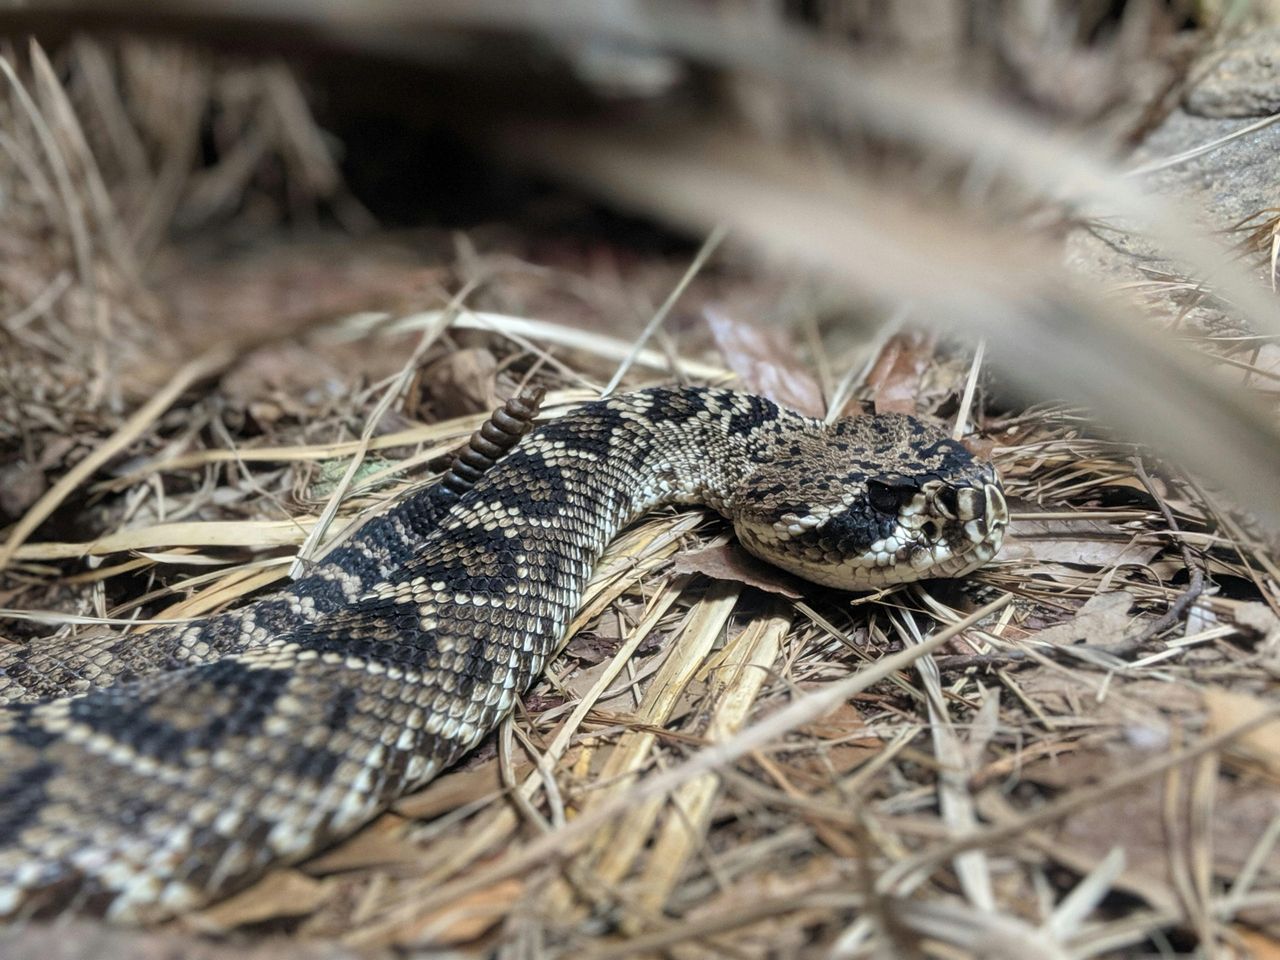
(376, 631)
(23, 789)
(591, 429)
(673, 406)
(546, 491)
(318, 764)
(420, 515)
(481, 555)
(750, 412)
(327, 594)
(852, 531)
(237, 699)
(205, 857)
(773, 490)
(224, 633)
(37, 678)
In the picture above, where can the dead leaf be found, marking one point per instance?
(1135, 821)
(281, 893)
(1103, 619)
(1257, 618)
(451, 791)
(601, 640)
(1261, 745)
(766, 363)
(1072, 696)
(1088, 543)
(458, 788)
(463, 920)
(461, 382)
(379, 844)
(895, 378)
(848, 742)
(981, 447)
(732, 563)
(296, 285)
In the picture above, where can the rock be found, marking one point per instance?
(1242, 80)
(1225, 187)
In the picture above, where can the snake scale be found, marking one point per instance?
(147, 775)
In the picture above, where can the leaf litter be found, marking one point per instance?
(976, 797)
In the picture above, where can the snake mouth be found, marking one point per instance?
(971, 534)
(945, 531)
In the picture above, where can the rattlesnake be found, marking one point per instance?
(147, 775)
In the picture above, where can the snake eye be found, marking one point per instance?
(887, 497)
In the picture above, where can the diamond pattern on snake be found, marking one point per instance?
(145, 776)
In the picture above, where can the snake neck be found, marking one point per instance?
(597, 470)
(634, 453)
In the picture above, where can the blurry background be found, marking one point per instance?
(233, 229)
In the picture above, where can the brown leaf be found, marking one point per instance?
(278, 292)
(1257, 618)
(21, 485)
(378, 844)
(451, 791)
(1135, 820)
(601, 640)
(766, 363)
(281, 893)
(732, 563)
(980, 447)
(855, 743)
(461, 787)
(465, 919)
(1261, 745)
(895, 378)
(1089, 543)
(276, 380)
(461, 382)
(1103, 619)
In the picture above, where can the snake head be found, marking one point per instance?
(872, 501)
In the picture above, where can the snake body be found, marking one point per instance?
(145, 776)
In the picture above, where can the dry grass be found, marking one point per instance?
(1013, 766)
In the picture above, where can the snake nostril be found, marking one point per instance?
(930, 529)
(948, 502)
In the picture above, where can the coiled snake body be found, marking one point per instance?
(147, 775)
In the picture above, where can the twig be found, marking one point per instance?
(965, 661)
(709, 246)
(1194, 569)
